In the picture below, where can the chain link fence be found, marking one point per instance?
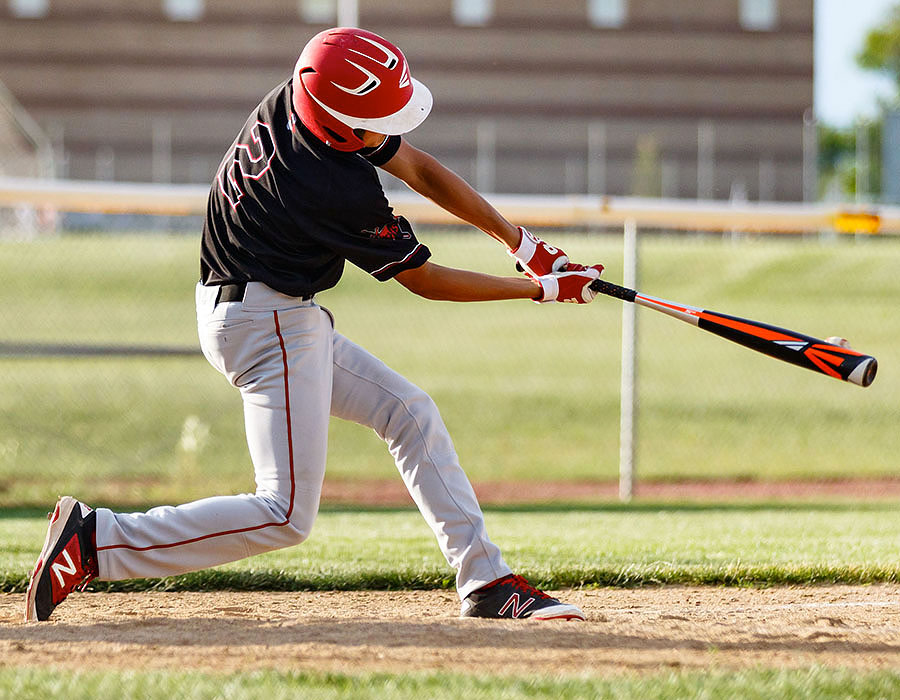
(106, 394)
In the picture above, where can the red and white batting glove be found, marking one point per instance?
(569, 287)
(537, 257)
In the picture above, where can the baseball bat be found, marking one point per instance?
(798, 349)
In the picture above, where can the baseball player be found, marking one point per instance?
(295, 197)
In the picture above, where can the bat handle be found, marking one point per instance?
(613, 290)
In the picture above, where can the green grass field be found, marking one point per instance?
(823, 684)
(529, 392)
(554, 546)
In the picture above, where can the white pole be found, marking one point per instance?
(485, 155)
(668, 178)
(348, 13)
(628, 408)
(766, 184)
(161, 156)
(706, 159)
(596, 155)
(862, 163)
(810, 157)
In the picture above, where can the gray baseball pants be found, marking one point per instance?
(293, 370)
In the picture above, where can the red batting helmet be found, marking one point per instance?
(349, 78)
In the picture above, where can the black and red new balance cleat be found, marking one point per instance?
(513, 597)
(67, 561)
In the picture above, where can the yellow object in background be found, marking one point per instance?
(857, 222)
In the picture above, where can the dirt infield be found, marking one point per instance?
(639, 630)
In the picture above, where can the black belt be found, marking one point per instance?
(231, 292)
(235, 292)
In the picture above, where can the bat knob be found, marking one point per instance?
(864, 373)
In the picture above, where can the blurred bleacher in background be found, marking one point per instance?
(707, 99)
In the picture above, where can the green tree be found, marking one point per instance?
(837, 157)
(880, 52)
(881, 48)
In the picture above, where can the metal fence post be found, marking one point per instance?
(766, 187)
(706, 159)
(596, 158)
(862, 162)
(628, 394)
(348, 13)
(890, 158)
(486, 155)
(161, 157)
(810, 157)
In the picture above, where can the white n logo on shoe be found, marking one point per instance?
(513, 602)
(59, 569)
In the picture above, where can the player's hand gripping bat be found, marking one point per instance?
(835, 360)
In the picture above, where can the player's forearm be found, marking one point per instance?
(449, 191)
(430, 178)
(449, 284)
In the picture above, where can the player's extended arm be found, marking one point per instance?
(427, 176)
(440, 283)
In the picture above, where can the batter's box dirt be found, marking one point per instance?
(641, 629)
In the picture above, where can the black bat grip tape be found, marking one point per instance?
(613, 290)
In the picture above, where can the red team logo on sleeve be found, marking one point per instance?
(392, 231)
(250, 162)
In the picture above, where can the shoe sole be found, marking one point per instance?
(566, 616)
(64, 508)
(556, 612)
(559, 612)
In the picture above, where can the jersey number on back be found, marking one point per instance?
(250, 162)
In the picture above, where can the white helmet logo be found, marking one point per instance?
(371, 82)
(391, 60)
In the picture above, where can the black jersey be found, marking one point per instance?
(287, 210)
